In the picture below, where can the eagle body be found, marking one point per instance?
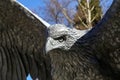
(29, 45)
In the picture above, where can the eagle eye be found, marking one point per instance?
(61, 38)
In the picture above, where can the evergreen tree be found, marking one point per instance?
(88, 14)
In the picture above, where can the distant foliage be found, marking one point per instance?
(59, 11)
(81, 14)
(88, 14)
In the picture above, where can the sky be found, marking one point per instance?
(37, 7)
(32, 3)
(35, 4)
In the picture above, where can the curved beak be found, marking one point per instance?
(48, 46)
(51, 44)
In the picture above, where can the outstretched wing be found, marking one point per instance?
(95, 56)
(104, 39)
(22, 42)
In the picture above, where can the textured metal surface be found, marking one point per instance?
(95, 56)
(22, 42)
(62, 37)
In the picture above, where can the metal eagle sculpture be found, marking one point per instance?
(29, 45)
